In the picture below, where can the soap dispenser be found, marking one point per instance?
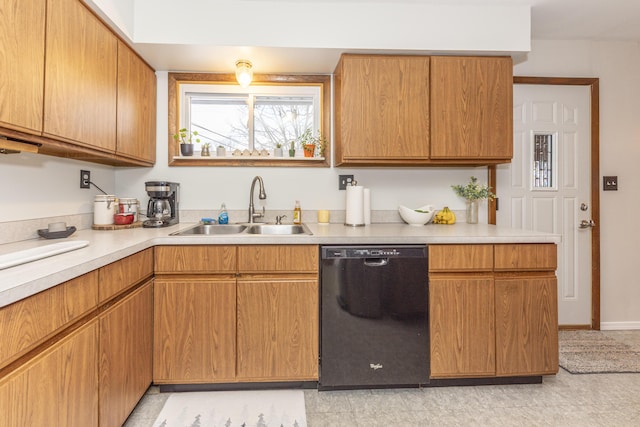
(297, 213)
(223, 217)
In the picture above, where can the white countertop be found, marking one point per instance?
(106, 247)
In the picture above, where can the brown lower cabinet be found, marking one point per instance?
(255, 320)
(58, 387)
(494, 313)
(125, 355)
(78, 359)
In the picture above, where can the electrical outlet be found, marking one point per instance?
(609, 183)
(85, 179)
(344, 181)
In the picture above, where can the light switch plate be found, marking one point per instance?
(609, 183)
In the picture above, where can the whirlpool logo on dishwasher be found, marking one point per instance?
(375, 366)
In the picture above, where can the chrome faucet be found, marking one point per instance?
(262, 195)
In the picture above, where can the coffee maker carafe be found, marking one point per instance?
(163, 206)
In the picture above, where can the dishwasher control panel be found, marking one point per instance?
(407, 251)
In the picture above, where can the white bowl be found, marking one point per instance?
(412, 217)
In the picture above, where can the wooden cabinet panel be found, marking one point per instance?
(526, 325)
(461, 311)
(195, 259)
(22, 64)
(530, 257)
(58, 388)
(136, 107)
(471, 107)
(194, 331)
(31, 321)
(451, 258)
(278, 258)
(122, 274)
(126, 332)
(382, 109)
(277, 330)
(80, 77)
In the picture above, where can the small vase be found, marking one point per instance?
(472, 211)
(205, 152)
(221, 152)
(277, 152)
(186, 149)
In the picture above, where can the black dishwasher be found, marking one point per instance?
(374, 308)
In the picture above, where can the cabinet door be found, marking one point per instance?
(382, 109)
(58, 388)
(80, 77)
(122, 274)
(277, 330)
(136, 120)
(126, 332)
(22, 64)
(461, 318)
(471, 108)
(526, 325)
(195, 259)
(194, 330)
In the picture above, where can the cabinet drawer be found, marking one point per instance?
(122, 274)
(526, 257)
(195, 259)
(29, 322)
(278, 258)
(449, 258)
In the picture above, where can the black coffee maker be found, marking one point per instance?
(163, 206)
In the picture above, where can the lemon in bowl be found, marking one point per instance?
(416, 217)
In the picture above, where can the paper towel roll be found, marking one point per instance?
(354, 206)
(366, 203)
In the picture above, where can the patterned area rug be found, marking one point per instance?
(260, 408)
(591, 352)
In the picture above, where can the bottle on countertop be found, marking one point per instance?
(223, 217)
(297, 213)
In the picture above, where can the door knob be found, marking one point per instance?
(587, 223)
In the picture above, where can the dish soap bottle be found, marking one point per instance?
(297, 213)
(223, 217)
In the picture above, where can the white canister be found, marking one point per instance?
(104, 208)
(129, 205)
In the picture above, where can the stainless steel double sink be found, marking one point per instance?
(256, 228)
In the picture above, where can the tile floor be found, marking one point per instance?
(561, 400)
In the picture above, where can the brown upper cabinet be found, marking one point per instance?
(382, 109)
(471, 108)
(420, 110)
(73, 87)
(136, 119)
(80, 77)
(22, 64)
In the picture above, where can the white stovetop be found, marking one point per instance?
(106, 247)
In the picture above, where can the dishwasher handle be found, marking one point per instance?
(376, 262)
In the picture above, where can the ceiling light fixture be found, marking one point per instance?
(244, 72)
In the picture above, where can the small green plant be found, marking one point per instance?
(319, 141)
(473, 190)
(205, 144)
(184, 137)
(278, 145)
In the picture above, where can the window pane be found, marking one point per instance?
(280, 119)
(543, 173)
(220, 120)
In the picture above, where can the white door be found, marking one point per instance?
(547, 187)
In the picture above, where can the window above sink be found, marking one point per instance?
(248, 122)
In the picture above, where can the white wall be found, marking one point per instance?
(38, 186)
(617, 65)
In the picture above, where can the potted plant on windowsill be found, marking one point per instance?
(277, 152)
(473, 193)
(292, 149)
(186, 141)
(312, 144)
(205, 149)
